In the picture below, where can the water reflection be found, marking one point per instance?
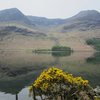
(61, 54)
(16, 84)
(76, 63)
(55, 53)
(16, 96)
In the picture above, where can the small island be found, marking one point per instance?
(57, 51)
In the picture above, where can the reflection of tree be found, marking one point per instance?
(61, 53)
(57, 56)
(16, 96)
(56, 61)
(95, 59)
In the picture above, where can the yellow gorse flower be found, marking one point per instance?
(55, 75)
(96, 98)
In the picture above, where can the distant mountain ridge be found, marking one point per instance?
(92, 14)
(18, 31)
(45, 21)
(14, 15)
(84, 20)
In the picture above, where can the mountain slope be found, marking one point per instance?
(8, 30)
(45, 22)
(84, 20)
(14, 15)
(87, 15)
(48, 32)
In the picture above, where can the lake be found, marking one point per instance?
(19, 68)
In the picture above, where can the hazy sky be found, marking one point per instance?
(51, 8)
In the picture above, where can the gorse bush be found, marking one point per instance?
(55, 84)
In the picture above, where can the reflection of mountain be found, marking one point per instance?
(15, 85)
(19, 68)
(95, 59)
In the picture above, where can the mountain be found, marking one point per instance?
(87, 15)
(72, 32)
(14, 25)
(42, 21)
(19, 32)
(15, 16)
(84, 20)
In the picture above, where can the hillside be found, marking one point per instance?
(14, 15)
(83, 21)
(88, 18)
(45, 22)
(18, 31)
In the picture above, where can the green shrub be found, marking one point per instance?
(94, 42)
(61, 48)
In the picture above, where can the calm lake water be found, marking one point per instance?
(18, 69)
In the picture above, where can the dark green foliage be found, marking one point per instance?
(94, 42)
(61, 48)
(60, 51)
(95, 59)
